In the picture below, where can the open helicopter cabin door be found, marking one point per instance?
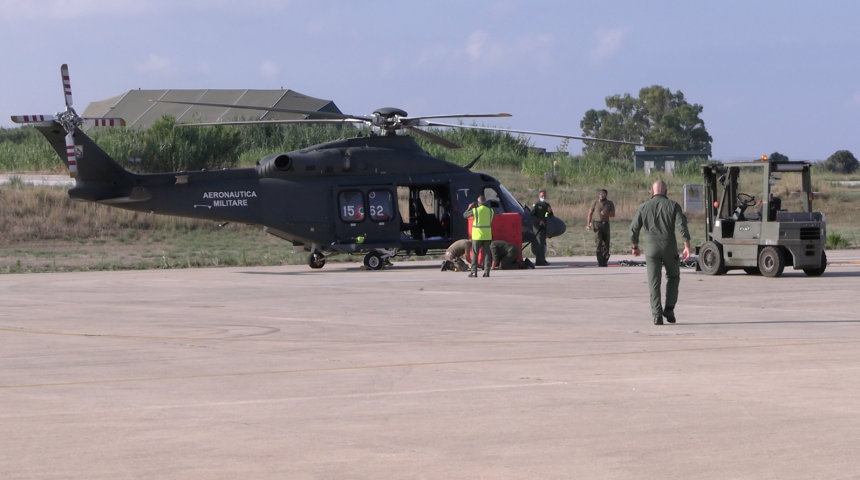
(367, 215)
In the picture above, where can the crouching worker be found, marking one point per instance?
(505, 256)
(455, 254)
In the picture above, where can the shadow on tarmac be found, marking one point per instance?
(767, 322)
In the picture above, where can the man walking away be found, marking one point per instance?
(482, 233)
(658, 218)
(605, 210)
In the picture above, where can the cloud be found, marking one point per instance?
(269, 70)
(70, 9)
(476, 44)
(156, 65)
(608, 43)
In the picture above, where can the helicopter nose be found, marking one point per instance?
(555, 227)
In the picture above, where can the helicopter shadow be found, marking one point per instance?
(347, 270)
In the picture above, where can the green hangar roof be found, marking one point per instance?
(138, 108)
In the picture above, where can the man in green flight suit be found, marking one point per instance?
(505, 256)
(659, 217)
(482, 233)
(539, 213)
(605, 210)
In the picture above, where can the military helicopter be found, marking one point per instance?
(380, 194)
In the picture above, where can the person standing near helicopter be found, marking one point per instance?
(540, 212)
(482, 233)
(600, 224)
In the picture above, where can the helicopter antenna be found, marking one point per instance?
(473, 162)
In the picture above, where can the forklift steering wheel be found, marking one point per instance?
(746, 200)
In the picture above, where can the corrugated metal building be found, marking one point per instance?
(137, 109)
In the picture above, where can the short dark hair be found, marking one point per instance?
(603, 190)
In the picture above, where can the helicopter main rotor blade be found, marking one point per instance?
(525, 132)
(468, 115)
(273, 122)
(270, 109)
(434, 138)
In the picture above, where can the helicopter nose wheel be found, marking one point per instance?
(316, 260)
(373, 261)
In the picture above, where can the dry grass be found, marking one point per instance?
(42, 230)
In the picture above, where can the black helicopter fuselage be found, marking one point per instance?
(343, 196)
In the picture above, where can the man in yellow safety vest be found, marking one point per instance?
(482, 233)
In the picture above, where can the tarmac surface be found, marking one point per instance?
(341, 373)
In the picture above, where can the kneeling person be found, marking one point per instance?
(455, 254)
(505, 256)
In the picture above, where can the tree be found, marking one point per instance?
(842, 161)
(778, 157)
(657, 117)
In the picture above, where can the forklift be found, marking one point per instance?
(760, 242)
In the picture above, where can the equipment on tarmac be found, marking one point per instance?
(762, 242)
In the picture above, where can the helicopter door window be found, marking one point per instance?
(351, 206)
(381, 204)
(493, 200)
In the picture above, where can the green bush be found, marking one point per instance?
(836, 242)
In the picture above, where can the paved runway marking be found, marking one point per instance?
(358, 395)
(426, 364)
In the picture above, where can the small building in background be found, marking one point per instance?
(662, 160)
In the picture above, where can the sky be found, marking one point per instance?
(771, 76)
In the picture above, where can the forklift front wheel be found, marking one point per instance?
(771, 261)
(711, 259)
(816, 272)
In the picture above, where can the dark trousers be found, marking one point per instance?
(601, 239)
(539, 245)
(655, 265)
(481, 245)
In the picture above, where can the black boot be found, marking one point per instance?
(658, 320)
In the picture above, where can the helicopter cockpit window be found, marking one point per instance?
(351, 206)
(381, 203)
(493, 200)
(512, 205)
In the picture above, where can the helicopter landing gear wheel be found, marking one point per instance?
(771, 262)
(373, 261)
(316, 260)
(816, 272)
(711, 259)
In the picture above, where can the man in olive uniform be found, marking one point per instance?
(659, 217)
(505, 256)
(539, 213)
(455, 254)
(600, 224)
(482, 233)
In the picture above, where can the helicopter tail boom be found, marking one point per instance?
(98, 176)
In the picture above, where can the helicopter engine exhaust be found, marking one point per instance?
(283, 162)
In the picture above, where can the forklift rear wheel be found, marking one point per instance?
(816, 272)
(316, 260)
(373, 261)
(771, 261)
(711, 259)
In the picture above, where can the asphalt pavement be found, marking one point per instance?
(343, 373)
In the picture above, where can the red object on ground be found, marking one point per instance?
(507, 227)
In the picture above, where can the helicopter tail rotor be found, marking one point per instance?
(69, 120)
